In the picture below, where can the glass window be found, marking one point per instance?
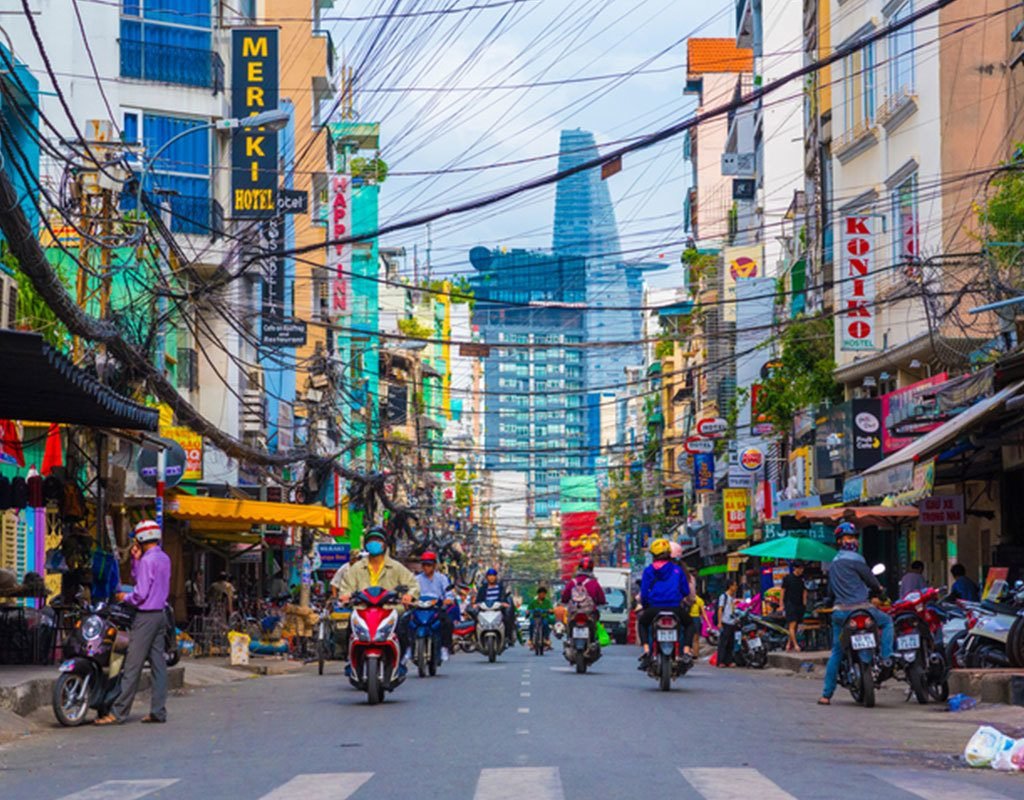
(901, 54)
(859, 88)
(906, 226)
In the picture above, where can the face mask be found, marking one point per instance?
(853, 545)
(375, 548)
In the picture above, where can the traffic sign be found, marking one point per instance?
(695, 444)
(712, 427)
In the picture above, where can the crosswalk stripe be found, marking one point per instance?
(320, 786)
(939, 787)
(121, 790)
(733, 783)
(537, 783)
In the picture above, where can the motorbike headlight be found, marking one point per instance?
(360, 630)
(384, 631)
(92, 628)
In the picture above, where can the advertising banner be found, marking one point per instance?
(741, 263)
(704, 472)
(192, 443)
(274, 278)
(857, 282)
(735, 502)
(339, 225)
(579, 537)
(942, 509)
(867, 432)
(903, 404)
(254, 89)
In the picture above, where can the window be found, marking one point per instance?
(167, 41)
(906, 226)
(901, 54)
(859, 88)
(182, 170)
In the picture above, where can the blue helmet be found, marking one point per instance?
(846, 529)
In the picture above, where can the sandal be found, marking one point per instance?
(110, 719)
(151, 719)
(824, 701)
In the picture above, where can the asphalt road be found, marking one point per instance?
(526, 727)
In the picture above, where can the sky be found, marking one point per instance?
(512, 74)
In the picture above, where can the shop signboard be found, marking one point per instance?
(695, 444)
(174, 465)
(857, 282)
(712, 427)
(675, 503)
(789, 505)
(942, 509)
(741, 263)
(254, 89)
(735, 502)
(273, 267)
(339, 226)
(867, 432)
(853, 489)
(904, 404)
(752, 459)
(192, 443)
(333, 555)
(921, 484)
(897, 478)
(704, 472)
(283, 333)
(292, 201)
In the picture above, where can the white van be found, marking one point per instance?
(615, 614)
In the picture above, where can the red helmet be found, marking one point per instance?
(428, 555)
(586, 564)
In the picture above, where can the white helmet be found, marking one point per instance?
(147, 531)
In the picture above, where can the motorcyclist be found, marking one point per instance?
(379, 569)
(541, 602)
(492, 591)
(585, 577)
(663, 587)
(850, 582)
(433, 583)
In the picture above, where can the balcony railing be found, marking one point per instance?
(161, 63)
(201, 216)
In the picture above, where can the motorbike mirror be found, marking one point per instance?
(878, 569)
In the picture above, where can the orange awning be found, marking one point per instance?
(246, 513)
(881, 516)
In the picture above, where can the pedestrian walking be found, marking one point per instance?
(151, 571)
(794, 603)
(727, 623)
(914, 580)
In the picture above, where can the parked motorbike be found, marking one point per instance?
(667, 662)
(374, 657)
(993, 636)
(425, 627)
(490, 630)
(538, 642)
(755, 638)
(708, 629)
(919, 656)
(581, 647)
(464, 636)
(94, 653)
(171, 653)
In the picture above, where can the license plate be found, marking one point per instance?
(911, 641)
(668, 636)
(863, 641)
(754, 642)
(580, 633)
(67, 666)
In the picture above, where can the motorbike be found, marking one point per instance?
(919, 657)
(860, 667)
(425, 627)
(667, 662)
(755, 638)
(538, 643)
(374, 656)
(172, 655)
(581, 647)
(993, 636)
(490, 630)
(464, 636)
(94, 653)
(708, 629)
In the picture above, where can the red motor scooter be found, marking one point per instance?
(374, 655)
(919, 655)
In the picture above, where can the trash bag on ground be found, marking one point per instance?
(986, 746)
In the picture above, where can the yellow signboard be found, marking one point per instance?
(735, 502)
(741, 263)
(192, 443)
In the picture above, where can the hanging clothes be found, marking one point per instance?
(106, 577)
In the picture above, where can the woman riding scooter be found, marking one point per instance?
(663, 587)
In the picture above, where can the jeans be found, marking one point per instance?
(839, 618)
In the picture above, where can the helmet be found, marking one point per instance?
(845, 529)
(660, 548)
(586, 564)
(492, 571)
(147, 531)
(675, 550)
(376, 532)
(428, 556)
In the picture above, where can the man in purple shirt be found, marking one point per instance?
(151, 570)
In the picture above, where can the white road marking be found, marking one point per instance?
(524, 683)
(524, 711)
(522, 731)
(320, 786)
(515, 783)
(524, 694)
(121, 790)
(936, 787)
(733, 783)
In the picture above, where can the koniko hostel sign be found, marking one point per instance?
(735, 502)
(339, 226)
(857, 282)
(254, 89)
(741, 263)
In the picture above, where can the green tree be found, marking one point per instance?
(535, 561)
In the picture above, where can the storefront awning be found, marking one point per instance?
(881, 516)
(246, 513)
(937, 439)
(40, 384)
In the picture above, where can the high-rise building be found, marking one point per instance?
(584, 216)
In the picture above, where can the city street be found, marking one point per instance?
(524, 727)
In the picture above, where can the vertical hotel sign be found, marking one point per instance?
(857, 287)
(254, 89)
(339, 226)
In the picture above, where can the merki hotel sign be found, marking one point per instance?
(254, 89)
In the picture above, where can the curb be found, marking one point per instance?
(24, 698)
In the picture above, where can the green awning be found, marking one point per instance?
(718, 569)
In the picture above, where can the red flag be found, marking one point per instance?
(53, 455)
(10, 444)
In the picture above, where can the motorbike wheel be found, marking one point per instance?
(863, 686)
(758, 659)
(172, 657)
(492, 650)
(374, 689)
(916, 679)
(581, 662)
(435, 658)
(939, 691)
(420, 655)
(955, 656)
(712, 638)
(665, 672)
(1015, 643)
(70, 701)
